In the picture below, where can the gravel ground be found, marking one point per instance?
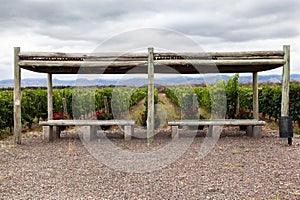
(238, 167)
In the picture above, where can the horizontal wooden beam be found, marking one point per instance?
(114, 55)
(187, 69)
(220, 62)
(157, 62)
(222, 54)
(81, 55)
(79, 64)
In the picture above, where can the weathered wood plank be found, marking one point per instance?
(181, 66)
(221, 54)
(34, 63)
(233, 122)
(86, 55)
(114, 55)
(220, 62)
(156, 62)
(17, 98)
(87, 122)
(189, 69)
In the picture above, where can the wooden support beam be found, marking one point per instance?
(253, 62)
(82, 56)
(50, 98)
(255, 96)
(17, 98)
(121, 55)
(150, 117)
(86, 64)
(171, 62)
(52, 130)
(285, 82)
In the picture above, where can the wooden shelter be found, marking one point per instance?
(151, 62)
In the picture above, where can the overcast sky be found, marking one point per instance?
(80, 26)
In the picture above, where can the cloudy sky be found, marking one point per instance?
(81, 25)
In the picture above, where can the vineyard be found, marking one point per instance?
(80, 101)
(269, 99)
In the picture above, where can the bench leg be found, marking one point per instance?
(257, 132)
(249, 131)
(128, 132)
(213, 131)
(175, 132)
(48, 133)
(210, 131)
(254, 131)
(56, 131)
(89, 133)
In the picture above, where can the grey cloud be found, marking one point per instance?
(267, 7)
(91, 20)
(244, 22)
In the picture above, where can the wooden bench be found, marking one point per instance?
(89, 127)
(253, 125)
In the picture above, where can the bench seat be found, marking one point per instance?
(253, 125)
(89, 127)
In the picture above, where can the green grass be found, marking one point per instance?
(296, 131)
(165, 109)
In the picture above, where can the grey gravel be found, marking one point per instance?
(238, 167)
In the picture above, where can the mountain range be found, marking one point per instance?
(142, 81)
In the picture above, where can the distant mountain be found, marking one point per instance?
(142, 81)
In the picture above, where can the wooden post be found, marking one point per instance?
(255, 96)
(52, 129)
(237, 108)
(286, 87)
(65, 109)
(106, 108)
(150, 118)
(285, 82)
(50, 98)
(195, 102)
(17, 98)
